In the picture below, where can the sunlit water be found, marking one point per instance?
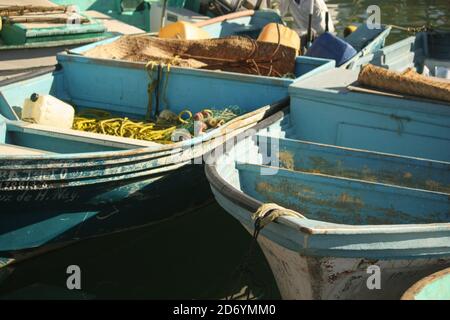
(404, 13)
(195, 255)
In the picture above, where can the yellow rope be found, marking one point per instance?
(150, 66)
(150, 88)
(98, 122)
(174, 62)
(180, 116)
(269, 212)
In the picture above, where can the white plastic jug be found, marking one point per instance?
(48, 110)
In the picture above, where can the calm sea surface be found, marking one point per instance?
(194, 256)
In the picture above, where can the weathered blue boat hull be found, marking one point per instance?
(142, 203)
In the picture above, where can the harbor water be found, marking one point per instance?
(200, 254)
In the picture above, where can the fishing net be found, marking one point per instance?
(408, 82)
(234, 54)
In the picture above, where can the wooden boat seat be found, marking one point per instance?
(75, 135)
(10, 149)
(310, 157)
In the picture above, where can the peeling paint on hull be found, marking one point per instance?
(329, 278)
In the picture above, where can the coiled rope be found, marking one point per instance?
(98, 121)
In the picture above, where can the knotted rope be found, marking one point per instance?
(269, 212)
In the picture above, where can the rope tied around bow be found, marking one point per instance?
(269, 212)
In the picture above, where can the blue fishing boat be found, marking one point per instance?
(432, 287)
(356, 182)
(62, 185)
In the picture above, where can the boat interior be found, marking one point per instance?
(336, 184)
(304, 164)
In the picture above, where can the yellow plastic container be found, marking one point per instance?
(48, 110)
(349, 30)
(288, 37)
(183, 30)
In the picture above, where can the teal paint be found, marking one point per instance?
(432, 287)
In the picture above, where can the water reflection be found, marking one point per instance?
(405, 13)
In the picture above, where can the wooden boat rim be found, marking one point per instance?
(421, 284)
(251, 204)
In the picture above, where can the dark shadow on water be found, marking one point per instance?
(191, 257)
